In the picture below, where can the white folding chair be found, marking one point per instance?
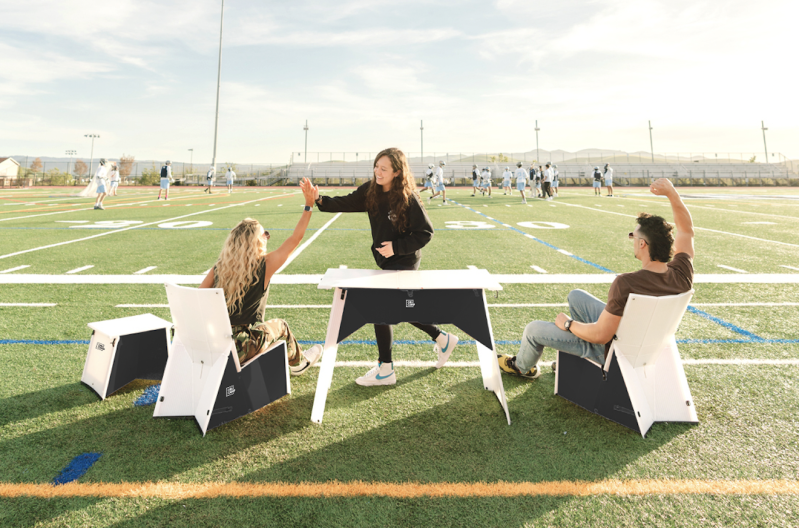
(203, 377)
(642, 380)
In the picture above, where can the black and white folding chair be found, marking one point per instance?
(642, 380)
(203, 376)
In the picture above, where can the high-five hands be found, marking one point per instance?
(309, 191)
(386, 249)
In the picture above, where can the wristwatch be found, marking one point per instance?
(307, 208)
(568, 325)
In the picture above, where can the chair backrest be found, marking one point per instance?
(648, 324)
(201, 321)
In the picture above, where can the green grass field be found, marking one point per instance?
(434, 426)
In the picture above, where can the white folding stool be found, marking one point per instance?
(203, 377)
(642, 380)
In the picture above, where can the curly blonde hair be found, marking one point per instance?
(402, 188)
(242, 256)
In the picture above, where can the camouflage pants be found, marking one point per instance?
(253, 339)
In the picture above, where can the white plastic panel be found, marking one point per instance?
(201, 321)
(409, 280)
(176, 385)
(135, 324)
(97, 368)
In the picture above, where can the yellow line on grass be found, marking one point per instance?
(410, 490)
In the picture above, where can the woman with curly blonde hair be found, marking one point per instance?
(400, 229)
(244, 270)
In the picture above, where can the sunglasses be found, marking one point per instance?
(266, 234)
(632, 236)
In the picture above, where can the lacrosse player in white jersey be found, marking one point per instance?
(506, 177)
(475, 180)
(439, 183)
(521, 180)
(428, 178)
(486, 181)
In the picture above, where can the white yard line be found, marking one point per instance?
(307, 243)
(475, 364)
(695, 227)
(29, 305)
(302, 278)
(538, 269)
(16, 269)
(471, 267)
(145, 270)
(731, 268)
(281, 306)
(737, 211)
(789, 267)
(78, 270)
(137, 226)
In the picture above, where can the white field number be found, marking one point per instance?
(543, 225)
(185, 224)
(468, 224)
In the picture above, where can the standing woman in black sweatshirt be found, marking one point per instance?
(400, 229)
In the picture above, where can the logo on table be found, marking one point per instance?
(100, 347)
(409, 303)
(230, 391)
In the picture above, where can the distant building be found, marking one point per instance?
(9, 168)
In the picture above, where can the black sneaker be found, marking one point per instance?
(508, 365)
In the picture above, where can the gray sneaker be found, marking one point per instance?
(312, 355)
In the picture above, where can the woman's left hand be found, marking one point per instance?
(386, 249)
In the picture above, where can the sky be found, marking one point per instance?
(364, 73)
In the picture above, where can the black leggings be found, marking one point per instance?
(546, 189)
(384, 334)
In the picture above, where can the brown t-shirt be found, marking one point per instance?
(678, 279)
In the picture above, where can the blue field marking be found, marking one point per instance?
(149, 397)
(725, 324)
(76, 468)
(547, 244)
(43, 342)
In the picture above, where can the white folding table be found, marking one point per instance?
(454, 297)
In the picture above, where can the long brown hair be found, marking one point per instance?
(240, 261)
(403, 187)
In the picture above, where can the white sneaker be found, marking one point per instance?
(445, 344)
(382, 374)
(312, 355)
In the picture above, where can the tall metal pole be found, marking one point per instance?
(763, 128)
(421, 130)
(651, 148)
(191, 160)
(537, 156)
(91, 158)
(305, 158)
(70, 153)
(218, 80)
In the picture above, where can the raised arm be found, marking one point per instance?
(684, 239)
(355, 202)
(278, 257)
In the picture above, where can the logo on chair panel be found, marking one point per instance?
(409, 303)
(230, 391)
(100, 347)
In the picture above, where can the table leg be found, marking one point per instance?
(489, 367)
(328, 356)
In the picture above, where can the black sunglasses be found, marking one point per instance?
(266, 234)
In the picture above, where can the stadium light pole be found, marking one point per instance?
(305, 157)
(191, 160)
(763, 128)
(651, 148)
(70, 153)
(218, 80)
(537, 156)
(421, 131)
(91, 158)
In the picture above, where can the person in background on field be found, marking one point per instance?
(166, 179)
(555, 180)
(475, 180)
(506, 177)
(546, 184)
(101, 179)
(589, 329)
(400, 229)
(210, 178)
(429, 175)
(244, 270)
(521, 180)
(486, 181)
(439, 183)
(113, 179)
(597, 182)
(230, 177)
(539, 175)
(609, 179)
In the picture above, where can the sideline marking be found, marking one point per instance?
(76, 468)
(731, 268)
(78, 270)
(33, 305)
(405, 490)
(145, 270)
(136, 227)
(16, 269)
(296, 252)
(789, 267)
(538, 269)
(302, 278)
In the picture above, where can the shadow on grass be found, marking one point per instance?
(46, 401)
(29, 511)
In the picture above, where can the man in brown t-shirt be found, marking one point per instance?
(592, 325)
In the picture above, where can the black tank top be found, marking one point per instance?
(253, 304)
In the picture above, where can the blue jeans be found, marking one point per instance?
(584, 308)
